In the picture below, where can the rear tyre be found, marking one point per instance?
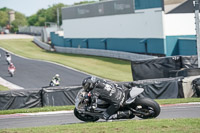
(149, 107)
(85, 117)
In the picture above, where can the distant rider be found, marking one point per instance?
(56, 80)
(109, 92)
(8, 57)
(11, 66)
(56, 77)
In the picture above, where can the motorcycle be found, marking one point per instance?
(11, 71)
(54, 82)
(90, 109)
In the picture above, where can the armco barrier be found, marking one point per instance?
(104, 53)
(95, 52)
(41, 44)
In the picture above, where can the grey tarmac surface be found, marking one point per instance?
(37, 74)
(67, 117)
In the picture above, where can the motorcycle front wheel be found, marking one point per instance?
(11, 74)
(85, 117)
(146, 108)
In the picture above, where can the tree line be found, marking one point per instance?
(37, 19)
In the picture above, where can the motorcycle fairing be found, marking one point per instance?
(135, 91)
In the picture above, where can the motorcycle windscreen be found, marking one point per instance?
(79, 99)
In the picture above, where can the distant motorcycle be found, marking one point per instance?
(11, 71)
(54, 82)
(90, 109)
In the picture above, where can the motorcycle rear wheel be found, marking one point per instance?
(148, 106)
(51, 84)
(85, 117)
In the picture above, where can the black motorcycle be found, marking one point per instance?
(89, 108)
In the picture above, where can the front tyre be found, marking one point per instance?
(85, 117)
(148, 108)
(11, 74)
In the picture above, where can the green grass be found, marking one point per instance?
(109, 68)
(38, 109)
(129, 126)
(61, 108)
(3, 88)
(177, 100)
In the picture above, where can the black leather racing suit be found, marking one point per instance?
(110, 93)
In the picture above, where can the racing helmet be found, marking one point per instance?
(57, 75)
(88, 83)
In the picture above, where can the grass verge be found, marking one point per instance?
(71, 107)
(109, 68)
(39, 109)
(177, 100)
(129, 126)
(3, 88)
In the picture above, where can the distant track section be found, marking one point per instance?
(37, 74)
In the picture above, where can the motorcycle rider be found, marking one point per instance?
(8, 57)
(11, 66)
(109, 92)
(56, 78)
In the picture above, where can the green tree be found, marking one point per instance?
(45, 15)
(84, 2)
(32, 19)
(20, 20)
(51, 13)
(4, 18)
(5, 9)
(41, 21)
(37, 19)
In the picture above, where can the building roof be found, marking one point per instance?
(178, 6)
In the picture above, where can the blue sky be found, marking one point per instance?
(30, 7)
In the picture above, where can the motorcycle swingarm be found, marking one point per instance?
(135, 112)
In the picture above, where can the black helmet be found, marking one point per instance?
(88, 83)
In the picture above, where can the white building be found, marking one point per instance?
(138, 26)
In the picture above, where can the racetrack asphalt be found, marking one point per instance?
(37, 74)
(190, 110)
